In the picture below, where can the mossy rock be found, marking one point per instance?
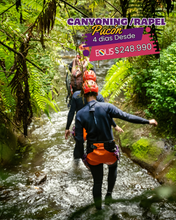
(168, 174)
(171, 175)
(169, 157)
(127, 139)
(132, 133)
(146, 150)
(144, 146)
(8, 144)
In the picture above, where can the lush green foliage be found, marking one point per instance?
(161, 82)
(117, 78)
(152, 81)
(7, 100)
(26, 84)
(40, 84)
(172, 174)
(143, 149)
(155, 86)
(28, 58)
(29, 52)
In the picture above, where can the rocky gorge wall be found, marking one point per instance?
(147, 149)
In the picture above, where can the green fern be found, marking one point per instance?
(117, 79)
(6, 98)
(41, 96)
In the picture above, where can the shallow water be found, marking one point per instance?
(69, 187)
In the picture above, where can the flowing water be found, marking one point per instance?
(68, 188)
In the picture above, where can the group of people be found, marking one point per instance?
(94, 118)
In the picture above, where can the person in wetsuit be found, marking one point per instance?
(78, 103)
(77, 61)
(77, 67)
(96, 117)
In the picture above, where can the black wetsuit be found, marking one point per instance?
(96, 117)
(76, 105)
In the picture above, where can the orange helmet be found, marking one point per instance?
(81, 47)
(89, 75)
(90, 86)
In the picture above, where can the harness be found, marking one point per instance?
(108, 145)
(101, 151)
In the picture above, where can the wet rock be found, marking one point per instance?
(38, 178)
(22, 140)
(8, 144)
(137, 187)
(150, 153)
(38, 189)
(4, 194)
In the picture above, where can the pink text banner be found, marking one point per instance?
(127, 49)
